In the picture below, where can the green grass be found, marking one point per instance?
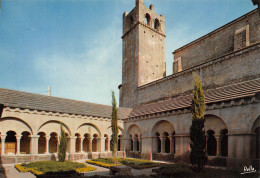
(177, 170)
(133, 163)
(54, 166)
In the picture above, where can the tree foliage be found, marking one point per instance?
(114, 125)
(62, 145)
(198, 156)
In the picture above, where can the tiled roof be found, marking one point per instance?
(230, 92)
(13, 98)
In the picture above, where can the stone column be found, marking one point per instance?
(34, 144)
(218, 145)
(102, 144)
(18, 138)
(72, 144)
(81, 144)
(90, 144)
(47, 138)
(3, 144)
(162, 144)
(134, 144)
(171, 144)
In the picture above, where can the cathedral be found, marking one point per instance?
(154, 109)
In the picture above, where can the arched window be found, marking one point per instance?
(167, 142)
(137, 143)
(10, 142)
(132, 143)
(156, 24)
(211, 143)
(78, 143)
(158, 142)
(131, 20)
(147, 19)
(53, 143)
(119, 142)
(42, 143)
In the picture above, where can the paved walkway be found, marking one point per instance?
(8, 171)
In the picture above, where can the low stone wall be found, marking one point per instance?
(163, 156)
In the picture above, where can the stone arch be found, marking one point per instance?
(11, 142)
(163, 141)
(78, 142)
(80, 129)
(147, 19)
(25, 143)
(53, 142)
(157, 24)
(162, 126)
(256, 138)
(120, 130)
(14, 122)
(215, 123)
(55, 127)
(42, 143)
(133, 134)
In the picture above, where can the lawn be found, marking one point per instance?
(177, 170)
(53, 167)
(133, 163)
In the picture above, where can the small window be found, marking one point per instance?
(156, 24)
(147, 19)
(131, 20)
(241, 38)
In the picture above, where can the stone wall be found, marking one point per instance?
(242, 31)
(244, 63)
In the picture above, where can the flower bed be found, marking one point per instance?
(133, 163)
(54, 167)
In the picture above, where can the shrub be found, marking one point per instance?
(175, 170)
(62, 145)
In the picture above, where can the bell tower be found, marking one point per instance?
(143, 51)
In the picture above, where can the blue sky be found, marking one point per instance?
(74, 46)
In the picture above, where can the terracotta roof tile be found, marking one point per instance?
(230, 92)
(13, 98)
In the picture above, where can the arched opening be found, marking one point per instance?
(224, 142)
(78, 143)
(157, 135)
(106, 142)
(10, 142)
(111, 143)
(119, 142)
(147, 19)
(132, 143)
(137, 143)
(167, 142)
(94, 143)
(25, 143)
(131, 20)
(211, 143)
(156, 24)
(42, 143)
(257, 141)
(86, 143)
(53, 143)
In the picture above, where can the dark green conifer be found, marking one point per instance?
(198, 156)
(114, 125)
(62, 145)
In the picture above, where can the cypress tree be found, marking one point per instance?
(62, 145)
(114, 125)
(198, 156)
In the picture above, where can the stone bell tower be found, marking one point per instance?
(143, 51)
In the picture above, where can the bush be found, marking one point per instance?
(175, 170)
(133, 163)
(53, 168)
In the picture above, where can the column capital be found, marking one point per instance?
(34, 136)
(71, 137)
(18, 137)
(3, 137)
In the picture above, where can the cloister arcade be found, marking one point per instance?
(22, 141)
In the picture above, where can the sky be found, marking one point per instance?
(75, 46)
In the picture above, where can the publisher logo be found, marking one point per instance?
(248, 170)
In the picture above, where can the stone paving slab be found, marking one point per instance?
(10, 172)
